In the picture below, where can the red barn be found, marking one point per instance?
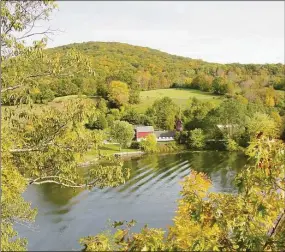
(143, 132)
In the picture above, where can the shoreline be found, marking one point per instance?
(122, 155)
(137, 154)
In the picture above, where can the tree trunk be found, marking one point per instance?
(278, 225)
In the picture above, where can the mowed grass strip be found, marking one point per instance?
(106, 150)
(179, 96)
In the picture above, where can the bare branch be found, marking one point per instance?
(33, 23)
(51, 177)
(59, 183)
(36, 33)
(25, 150)
(51, 180)
(279, 222)
(10, 88)
(280, 219)
(30, 77)
(39, 149)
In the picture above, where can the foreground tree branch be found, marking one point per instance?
(10, 88)
(272, 232)
(280, 220)
(52, 180)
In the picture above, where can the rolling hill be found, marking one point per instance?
(147, 68)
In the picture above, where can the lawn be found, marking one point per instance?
(179, 96)
(106, 150)
(109, 149)
(67, 97)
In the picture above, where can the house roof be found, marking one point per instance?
(170, 133)
(220, 126)
(144, 129)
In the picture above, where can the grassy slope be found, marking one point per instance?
(179, 96)
(68, 97)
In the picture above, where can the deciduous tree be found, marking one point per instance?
(222, 86)
(122, 132)
(164, 113)
(149, 144)
(196, 139)
(119, 93)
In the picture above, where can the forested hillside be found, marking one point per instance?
(154, 69)
(142, 68)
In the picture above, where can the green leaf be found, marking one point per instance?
(118, 223)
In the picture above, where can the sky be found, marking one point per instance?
(222, 32)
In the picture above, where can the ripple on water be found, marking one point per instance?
(149, 196)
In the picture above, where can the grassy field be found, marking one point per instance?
(106, 150)
(67, 97)
(109, 149)
(179, 96)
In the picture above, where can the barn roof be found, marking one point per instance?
(144, 129)
(170, 133)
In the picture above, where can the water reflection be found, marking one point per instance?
(149, 196)
(58, 195)
(164, 169)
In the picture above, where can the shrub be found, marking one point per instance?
(110, 119)
(196, 139)
(149, 144)
(134, 97)
(263, 124)
(135, 145)
(222, 86)
(181, 137)
(232, 145)
(99, 123)
(168, 147)
(116, 113)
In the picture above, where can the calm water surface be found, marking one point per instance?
(149, 196)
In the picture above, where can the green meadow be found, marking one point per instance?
(179, 96)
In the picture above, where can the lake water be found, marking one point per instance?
(149, 196)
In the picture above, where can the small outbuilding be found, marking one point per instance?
(143, 131)
(165, 136)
